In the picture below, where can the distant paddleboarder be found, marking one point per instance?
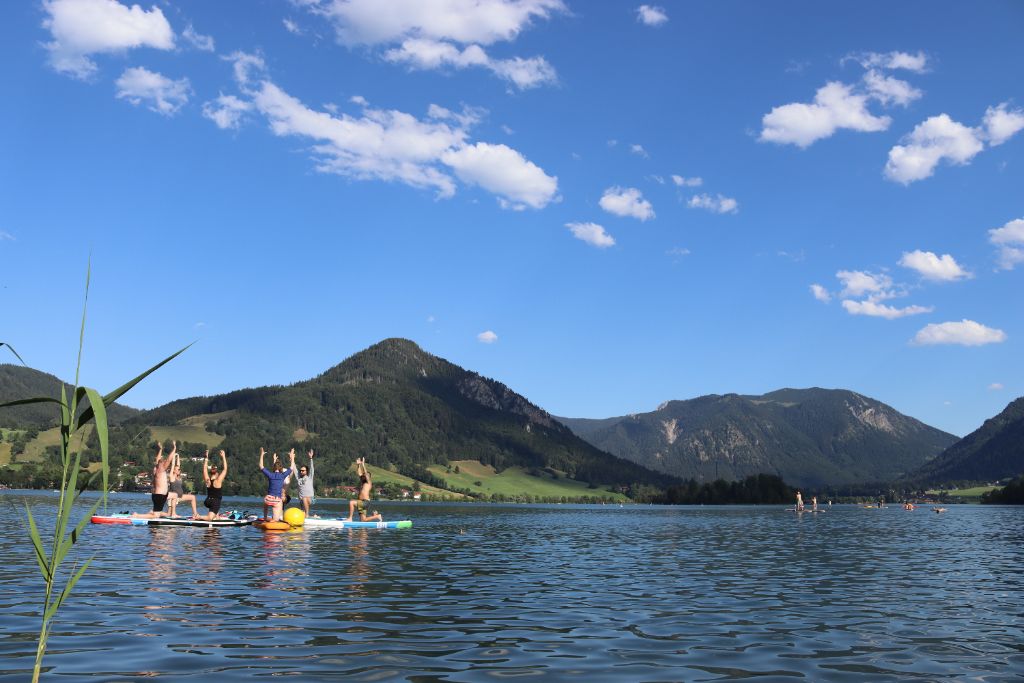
(362, 500)
(799, 502)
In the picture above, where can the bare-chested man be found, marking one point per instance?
(361, 503)
(160, 481)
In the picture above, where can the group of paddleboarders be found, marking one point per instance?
(169, 490)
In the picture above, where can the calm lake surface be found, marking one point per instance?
(560, 592)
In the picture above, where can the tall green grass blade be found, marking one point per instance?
(26, 401)
(11, 348)
(37, 545)
(68, 587)
(72, 538)
(99, 409)
(81, 332)
(124, 388)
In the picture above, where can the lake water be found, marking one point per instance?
(484, 592)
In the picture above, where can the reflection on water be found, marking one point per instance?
(559, 592)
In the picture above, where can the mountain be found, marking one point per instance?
(404, 410)
(17, 382)
(809, 437)
(993, 451)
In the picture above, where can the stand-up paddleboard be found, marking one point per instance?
(804, 510)
(122, 518)
(341, 523)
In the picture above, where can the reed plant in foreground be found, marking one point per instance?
(85, 406)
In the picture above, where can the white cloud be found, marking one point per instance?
(937, 138)
(626, 201)
(717, 204)
(226, 111)
(81, 28)
(680, 181)
(419, 53)
(395, 146)
(6, 236)
(859, 282)
(591, 233)
(889, 90)
(651, 15)
(487, 337)
(871, 307)
(198, 40)
(639, 150)
(161, 94)
(932, 267)
(1001, 124)
(820, 293)
(1010, 240)
(505, 172)
(996, 386)
(359, 100)
(918, 63)
(965, 333)
(291, 27)
(835, 107)
(247, 66)
(431, 34)
(678, 251)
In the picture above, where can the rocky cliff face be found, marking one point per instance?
(810, 437)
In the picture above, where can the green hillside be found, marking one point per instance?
(809, 437)
(992, 452)
(18, 382)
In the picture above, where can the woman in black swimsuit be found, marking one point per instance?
(214, 479)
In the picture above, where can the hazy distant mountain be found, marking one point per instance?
(400, 406)
(17, 382)
(992, 452)
(810, 437)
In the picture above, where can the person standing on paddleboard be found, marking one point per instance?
(160, 481)
(305, 482)
(799, 501)
(214, 480)
(275, 484)
(363, 499)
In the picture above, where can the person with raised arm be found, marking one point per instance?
(176, 493)
(214, 480)
(305, 482)
(361, 502)
(275, 483)
(160, 481)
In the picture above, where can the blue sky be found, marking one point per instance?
(603, 205)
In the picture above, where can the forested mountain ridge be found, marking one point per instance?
(993, 451)
(19, 382)
(809, 437)
(403, 409)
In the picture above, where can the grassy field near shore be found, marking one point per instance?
(514, 481)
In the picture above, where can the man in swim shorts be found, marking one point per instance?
(160, 481)
(362, 502)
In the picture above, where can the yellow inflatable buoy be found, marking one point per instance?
(295, 516)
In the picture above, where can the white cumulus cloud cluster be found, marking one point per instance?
(159, 93)
(626, 201)
(963, 333)
(432, 34)
(716, 204)
(841, 106)
(591, 233)
(82, 28)
(933, 267)
(389, 145)
(872, 289)
(487, 337)
(940, 138)
(1010, 240)
(651, 15)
